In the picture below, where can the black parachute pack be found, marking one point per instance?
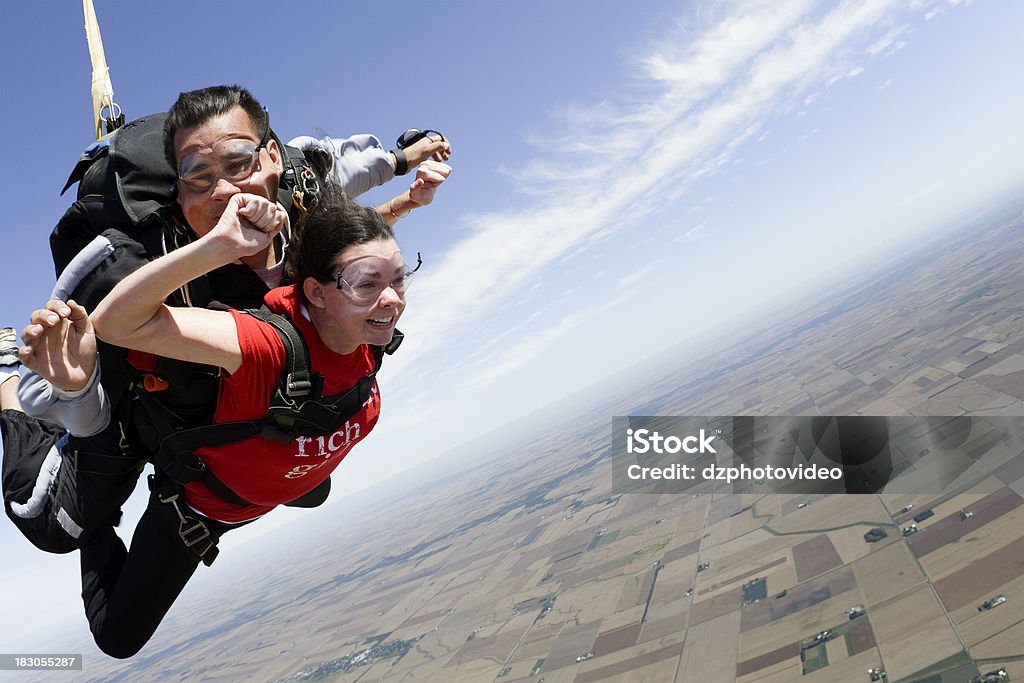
(127, 194)
(297, 408)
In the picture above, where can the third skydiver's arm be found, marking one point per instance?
(358, 163)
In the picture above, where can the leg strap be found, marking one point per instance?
(192, 530)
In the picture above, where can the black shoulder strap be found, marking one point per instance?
(297, 381)
(296, 409)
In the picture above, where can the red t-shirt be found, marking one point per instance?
(264, 472)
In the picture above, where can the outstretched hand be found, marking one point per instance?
(249, 224)
(60, 345)
(429, 177)
(429, 147)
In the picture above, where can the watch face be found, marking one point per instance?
(409, 137)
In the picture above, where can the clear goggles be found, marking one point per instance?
(233, 160)
(365, 279)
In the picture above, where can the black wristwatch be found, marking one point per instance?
(401, 163)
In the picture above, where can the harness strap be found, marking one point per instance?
(296, 379)
(297, 408)
(193, 531)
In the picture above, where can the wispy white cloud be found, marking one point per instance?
(694, 103)
(889, 40)
(696, 230)
(633, 278)
(506, 360)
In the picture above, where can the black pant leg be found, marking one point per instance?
(126, 595)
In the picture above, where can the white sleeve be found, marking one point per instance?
(82, 413)
(359, 163)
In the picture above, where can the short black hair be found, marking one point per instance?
(336, 222)
(196, 107)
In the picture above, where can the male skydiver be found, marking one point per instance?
(217, 141)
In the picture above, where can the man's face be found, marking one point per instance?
(203, 147)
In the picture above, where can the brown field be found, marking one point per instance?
(538, 641)
(735, 581)
(796, 627)
(427, 617)
(616, 639)
(984, 575)
(1007, 643)
(671, 585)
(712, 608)
(975, 626)
(836, 649)
(1011, 472)
(756, 615)
(912, 632)
(595, 598)
(477, 671)
(685, 550)
(943, 531)
(635, 589)
(572, 642)
(783, 672)
(664, 656)
(564, 675)
(862, 637)
(850, 545)
(782, 578)
(814, 591)
(814, 556)
(724, 506)
(769, 659)
(662, 671)
(710, 652)
(678, 607)
(519, 671)
(662, 627)
(727, 554)
(587, 574)
(849, 670)
(887, 573)
(622, 618)
(736, 526)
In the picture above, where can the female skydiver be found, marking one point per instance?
(349, 294)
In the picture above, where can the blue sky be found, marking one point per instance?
(624, 179)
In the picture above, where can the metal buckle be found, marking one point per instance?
(297, 387)
(189, 538)
(188, 534)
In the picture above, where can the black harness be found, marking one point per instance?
(298, 408)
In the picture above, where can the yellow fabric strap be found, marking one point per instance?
(102, 89)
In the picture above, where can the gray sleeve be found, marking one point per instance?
(87, 412)
(359, 163)
(83, 414)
